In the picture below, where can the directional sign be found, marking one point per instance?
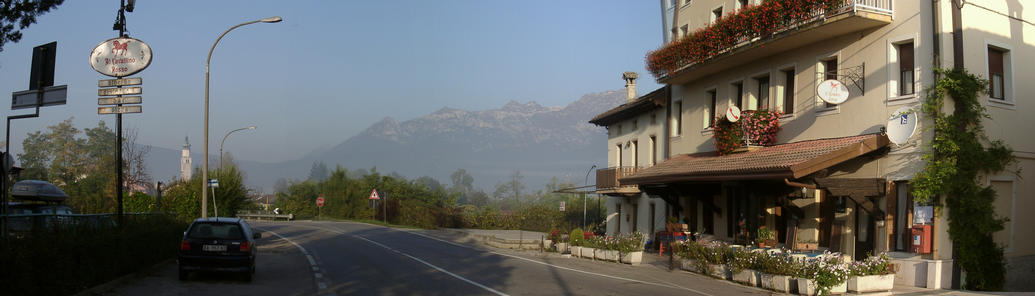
(118, 100)
(52, 95)
(562, 206)
(136, 90)
(319, 201)
(119, 109)
(373, 195)
(214, 183)
(120, 82)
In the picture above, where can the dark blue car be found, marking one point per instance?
(219, 244)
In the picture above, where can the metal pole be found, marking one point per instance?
(224, 141)
(118, 128)
(585, 183)
(204, 162)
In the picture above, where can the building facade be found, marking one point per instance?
(832, 177)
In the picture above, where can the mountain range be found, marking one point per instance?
(539, 142)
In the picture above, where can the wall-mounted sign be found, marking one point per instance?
(118, 57)
(832, 91)
(733, 113)
(923, 215)
(902, 125)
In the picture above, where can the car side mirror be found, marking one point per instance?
(257, 235)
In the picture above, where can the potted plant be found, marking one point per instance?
(630, 247)
(777, 272)
(761, 126)
(576, 239)
(875, 274)
(672, 224)
(766, 237)
(824, 276)
(742, 266)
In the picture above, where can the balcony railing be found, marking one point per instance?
(607, 179)
(742, 34)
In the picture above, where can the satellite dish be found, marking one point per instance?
(902, 125)
(832, 91)
(733, 114)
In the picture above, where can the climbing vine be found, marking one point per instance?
(959, 155)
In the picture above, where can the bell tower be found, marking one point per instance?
(185, 163)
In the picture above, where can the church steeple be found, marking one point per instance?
(185, 160)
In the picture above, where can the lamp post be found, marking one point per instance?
(586, 183)
(224, 141)
(204, 162)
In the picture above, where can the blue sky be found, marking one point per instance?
(332, 68)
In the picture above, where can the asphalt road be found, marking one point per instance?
(342, 258)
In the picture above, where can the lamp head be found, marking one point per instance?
(272, 19)
(251, 127)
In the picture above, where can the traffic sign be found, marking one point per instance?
(118, 100)
(120, 82)
(136, 90)
(214, 183)
(119, 109)
(319, 201)
(562, 206)
(52, 95)
(118, 57)
(373, 195)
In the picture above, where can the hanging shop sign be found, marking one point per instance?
(832, 91)
(118, 57)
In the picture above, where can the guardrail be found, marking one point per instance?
(270, 217)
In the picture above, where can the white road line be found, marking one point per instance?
(562, 267)
(320, 282)
(432, 266)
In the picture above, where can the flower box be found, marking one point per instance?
(606, 255)
(689, 265)
(748, 277)
(806, 246)
(719, 271)
(633, 258)
(780, 283)
(561, 247)
(808, 287)
(587, 252)
(575, 251)
(871, 283)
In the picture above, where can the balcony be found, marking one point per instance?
(736, 39)
(607, 181)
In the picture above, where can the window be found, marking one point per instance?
(716, 14)
(618, 155)
(636, 123)
(996, 74)
(677, 118)
(906, 79)
(653, 151)
(711, 108)
(830, 72)
(738, 94)
(788, 91)
(742, 4)
(763, 92)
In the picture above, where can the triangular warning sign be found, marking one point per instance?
(373, 194)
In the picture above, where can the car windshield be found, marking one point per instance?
(216, 231)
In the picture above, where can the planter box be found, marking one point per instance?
(871, 283)
(806, 246)
(748, 277)
(575, 251)
(688, 265)
(606, 255)
(561, 247)
(719, 271)
(633, 258)
(587, 252)
(808, 287)
(780, 283)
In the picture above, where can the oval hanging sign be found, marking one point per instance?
(733, 114)
(118, 57)
(832, 91)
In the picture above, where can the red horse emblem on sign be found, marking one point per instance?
(119, 48)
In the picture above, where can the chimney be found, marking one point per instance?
(630, 86)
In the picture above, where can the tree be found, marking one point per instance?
(23, 13)
(318, 172)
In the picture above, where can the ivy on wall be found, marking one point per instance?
(960, 154)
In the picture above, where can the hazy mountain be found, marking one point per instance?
(541, 142)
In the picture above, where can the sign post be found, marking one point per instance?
(375, 198)
(319, 206)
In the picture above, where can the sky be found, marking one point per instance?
(333, 68)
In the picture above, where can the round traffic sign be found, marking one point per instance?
(319, 201)
(733, 114)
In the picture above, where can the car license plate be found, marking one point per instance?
(213, 248)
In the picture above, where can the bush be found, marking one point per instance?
(631, 242)
(577, 239)
(873, 265)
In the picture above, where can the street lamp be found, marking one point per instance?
(586, 183)
(204, 162)
(224, 141)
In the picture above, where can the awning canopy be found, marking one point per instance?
(791, 160)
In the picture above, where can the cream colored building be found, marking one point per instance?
(833, 178)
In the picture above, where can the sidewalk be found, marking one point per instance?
(529, 240)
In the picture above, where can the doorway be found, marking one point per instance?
(864, 233)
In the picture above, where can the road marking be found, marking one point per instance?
(431, 265)
(560, 267)
(318, 277)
